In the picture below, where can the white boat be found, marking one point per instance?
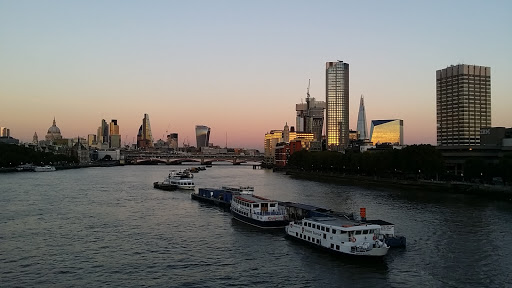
(339, 235)
(46, 168)
(258, 211)
(180, 180)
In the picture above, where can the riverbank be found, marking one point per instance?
(498, 192)
(66, 167)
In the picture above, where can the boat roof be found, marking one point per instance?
(253, 198)
(343, 223)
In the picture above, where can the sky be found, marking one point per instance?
(238, 67)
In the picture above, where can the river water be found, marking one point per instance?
(99, 227)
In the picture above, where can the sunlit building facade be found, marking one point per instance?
(276, 138)
(114, 136)
(463, 104)
(337, 99)
(387, 131)
(202, 136)
(144, 136)
(310, 117)
(5, 132)
(172, 139)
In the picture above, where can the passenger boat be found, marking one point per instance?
(299, 211)
(220, 197)
(46, 168)
(165, 185)
(258, 211)
(183, 183)
(339, 235)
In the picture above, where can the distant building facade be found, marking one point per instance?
(172, 139)
(5, 132)
(278, 138)
(202, 136)
(337, 99)
(310, 117)
(144, 136)
(387, 131)
(114, 136)
(463, 104)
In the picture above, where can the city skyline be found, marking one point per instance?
(219, 64)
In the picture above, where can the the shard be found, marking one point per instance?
(361, 121)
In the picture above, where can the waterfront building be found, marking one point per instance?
(53, 132)
(463, 104)
(310, 117)
(202, 136)
(5, 132)
(144, 136)
(276, 138)
(172, 140)
(337, 99)
(387, 131)
(361, 121)
(91, 140)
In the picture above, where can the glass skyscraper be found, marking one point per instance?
(362, 129)
(387, 131)
(202, 136)
(463, 100)
(337, 96)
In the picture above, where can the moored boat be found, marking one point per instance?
(165, 185)
(46, 168)
(258, 211)
(220, 197)
(339, 235)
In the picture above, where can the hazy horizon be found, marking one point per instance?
(237, 67)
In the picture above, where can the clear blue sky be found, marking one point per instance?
(238, 66)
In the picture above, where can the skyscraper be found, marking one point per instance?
(361, 121)
(202, 136)
(310, 117)
(337, 96)
(387, 131)
(103, 133)
(463, 99)
(144, 136)
(114, 136)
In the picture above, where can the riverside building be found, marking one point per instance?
(463, 104)
(336, 97)
(144, 137)
(387, 131)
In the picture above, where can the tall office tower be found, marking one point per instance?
(91, 140)
(172, 139)
(35, 139)
(387, 131)
(310, 117)
(103, 132)
(115, 137)
(361, 121)
(202, 136)
(463, 101)
(144, 137)
(337, 95)
(5, 132)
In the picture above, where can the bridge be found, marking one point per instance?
(178, 161)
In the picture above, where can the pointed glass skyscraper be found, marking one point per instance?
(361, 121)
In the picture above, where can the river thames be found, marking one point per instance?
(100, 227)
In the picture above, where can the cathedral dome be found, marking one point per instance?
(53, 132)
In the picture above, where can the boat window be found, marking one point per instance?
(309, 238)
(337, 247)
(256, 205)
(365, 231)
(333, 231)
(322, 228)
(309, 224)
(371, 231)
(358, 232)
(314, 226)
(327, 229)
(332, 246)
(318, 241)
(272, 205)
(343, 232)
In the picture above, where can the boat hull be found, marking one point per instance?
(164, 186)
(212, 201)
(260, 224)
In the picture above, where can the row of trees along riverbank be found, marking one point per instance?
(14, 155)
(409, 163)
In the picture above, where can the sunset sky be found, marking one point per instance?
(238, 66)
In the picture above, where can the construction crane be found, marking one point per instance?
(309, 83)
